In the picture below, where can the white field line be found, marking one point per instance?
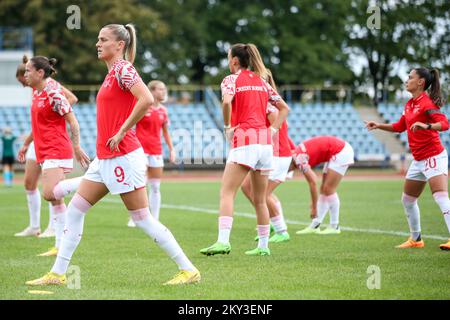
(295, 222)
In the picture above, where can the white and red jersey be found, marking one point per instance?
(51, 140)
(115, 103)
(423, 143)
(251, 94)
(148, 129)
(317, 150)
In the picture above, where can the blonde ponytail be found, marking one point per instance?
(256, 62)
(130, 52)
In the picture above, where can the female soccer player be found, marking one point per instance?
(148, 131)
(282, 151)
(337, 155)
(245, 96)
(8, 156)
(120, 165)
(33, 172)
(423, 120)
(50, 111)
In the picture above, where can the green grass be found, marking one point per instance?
(117, 262)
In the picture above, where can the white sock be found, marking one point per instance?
(64, 187)
(162, 236)
(334, 203)
(225, 224)
(76, 211)
(279, 224)
(412, 213)
(443, 202)
(263, 236)
(322, 209)
(154, 197)
(59, 220)
(34, 207)
(50, 216)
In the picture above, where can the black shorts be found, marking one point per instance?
(7, 160)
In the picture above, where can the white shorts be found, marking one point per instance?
(428, 168)
(341, 161)
(65, 164)
(255, 156)
(31, 153)
(280, 169)
(120, 174)
(155, 161)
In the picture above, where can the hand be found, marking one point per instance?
(81, 157)
(418, 126)
(172, 156)
(229, 132)
(113, 143)
(371, 125)
(313, 211)
(22, 153)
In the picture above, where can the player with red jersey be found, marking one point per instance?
(120, 165)
(50, 111)
(282, 158)
(423, 120)
(33, 172)
(337, 155)
(148, 131)
(245, 96)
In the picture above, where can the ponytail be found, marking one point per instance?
(256, 61)
(249, 57)
(270, 79)
(130, 52)
(431, 77)
(435, 89)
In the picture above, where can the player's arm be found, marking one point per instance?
(79, 153)
(438, 121)
(311, 178)
(23, 150)
(398, 126)
(168, 139)
(72, 98)
(283, 111)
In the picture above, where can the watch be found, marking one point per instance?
(429, 126)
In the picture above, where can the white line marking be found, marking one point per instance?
(252, 216)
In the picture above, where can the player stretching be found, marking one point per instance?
(337, 155)
(50, 111)
(423, 120)
(245, 96)
(120, 165)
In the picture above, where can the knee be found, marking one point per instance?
(327, 190)
(29, 184)
(408, 200)
(246, 190)
(155, 185)
(48, 194)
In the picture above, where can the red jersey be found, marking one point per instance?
(423, 143)
(317, 150)
(115, 103)
(251, 96)
(48, 125)
(148, 129)
(281, 142)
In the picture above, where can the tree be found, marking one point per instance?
(410, 32)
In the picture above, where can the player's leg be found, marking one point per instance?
(154, 194)
(137, 204)
(32, 173)
(246, 189)
(7, 175)
(439, 188)
(276, 216)
(411, 192)
(329, 195)
(233, 176)
(88, 194)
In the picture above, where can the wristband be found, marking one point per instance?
(227, 127)
(429, 126)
